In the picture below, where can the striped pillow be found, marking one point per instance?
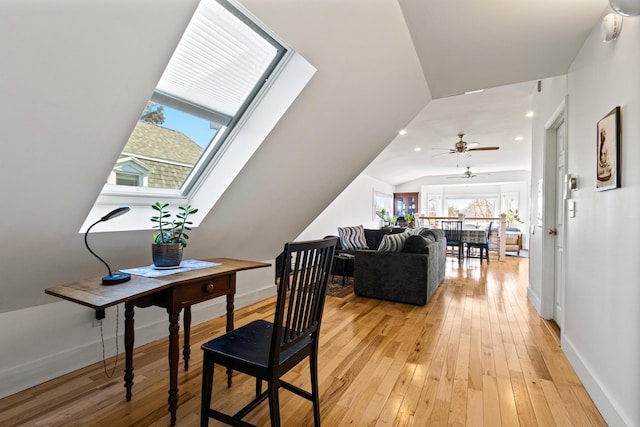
(393, 242)
(352, 238)
(413, 231)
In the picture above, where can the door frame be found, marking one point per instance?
(547, 298)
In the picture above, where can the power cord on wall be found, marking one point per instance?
(104, 361)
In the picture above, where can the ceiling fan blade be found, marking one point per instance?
(439, 154)
(483, 149)
(462, 176)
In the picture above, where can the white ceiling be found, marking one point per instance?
(468, 45)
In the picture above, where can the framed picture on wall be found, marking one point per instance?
(608, 151)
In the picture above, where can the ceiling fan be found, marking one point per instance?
(464, 147)
(467, 174)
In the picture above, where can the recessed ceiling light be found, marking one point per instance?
(529, 114)
(519, 138)
(402, 132)
(417, 149)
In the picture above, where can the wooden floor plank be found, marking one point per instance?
(477, 355)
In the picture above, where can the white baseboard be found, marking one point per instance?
(608, 408)
(534, 300)
(86, 349)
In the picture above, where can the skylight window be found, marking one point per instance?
(219, 66)
(226, 86)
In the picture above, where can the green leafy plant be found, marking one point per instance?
(172, 231)
(410, 218)
(394, 220)
(513, 216)
(382, 213)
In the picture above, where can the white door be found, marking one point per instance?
(561, 156)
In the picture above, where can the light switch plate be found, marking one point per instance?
(571, 207)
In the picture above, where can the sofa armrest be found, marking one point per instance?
(401, 277)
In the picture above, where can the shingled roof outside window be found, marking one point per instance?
(220, 64)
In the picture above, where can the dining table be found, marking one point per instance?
(473, 235)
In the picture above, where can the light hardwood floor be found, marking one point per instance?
(477, 355)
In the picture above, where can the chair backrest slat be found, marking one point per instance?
(452, 230)
(303, 284)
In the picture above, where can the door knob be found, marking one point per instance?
(553, 231)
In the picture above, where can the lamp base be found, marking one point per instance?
(116, 278)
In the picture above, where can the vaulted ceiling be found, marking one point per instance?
(468, 45)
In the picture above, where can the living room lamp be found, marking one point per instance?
(112, 278)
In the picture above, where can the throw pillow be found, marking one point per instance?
(352, 238)
(430, 238)
(393, 242)
(416, 245)
(415, 230)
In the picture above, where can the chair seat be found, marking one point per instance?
(268, 350)
(247, 348)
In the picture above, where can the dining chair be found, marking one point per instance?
(267, 350)
(494, 242)
(483, 247)
(453, 234)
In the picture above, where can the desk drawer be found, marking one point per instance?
(203, 291)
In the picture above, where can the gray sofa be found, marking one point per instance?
(410, 276)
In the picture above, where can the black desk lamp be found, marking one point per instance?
(111, 279)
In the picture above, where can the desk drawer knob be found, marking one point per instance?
(209, 288)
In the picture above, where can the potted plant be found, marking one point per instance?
(512, 217)
(410, 219)
(171, 237)
(383, 215)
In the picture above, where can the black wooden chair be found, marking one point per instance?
(268, 350)
(482, 247)
(453, 234)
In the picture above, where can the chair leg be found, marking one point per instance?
(313, 364)
(274, 403)
(207, 388)
(258, 386)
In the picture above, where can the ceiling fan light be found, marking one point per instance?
(626, 7)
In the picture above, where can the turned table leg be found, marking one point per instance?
(174, 355)
(128, 347)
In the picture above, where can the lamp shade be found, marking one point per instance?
(112, 278)
(626, 7)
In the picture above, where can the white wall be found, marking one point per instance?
(354, 206)
(73, 85)
(600, 336)
(545, 103)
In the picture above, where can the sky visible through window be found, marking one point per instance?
(197, 129)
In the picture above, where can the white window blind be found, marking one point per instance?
(217, 62)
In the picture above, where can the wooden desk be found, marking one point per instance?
(173, 292)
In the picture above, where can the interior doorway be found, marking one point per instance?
(553, 284)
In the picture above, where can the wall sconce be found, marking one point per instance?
(626, 7)
(610, 27)
(112, 278)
